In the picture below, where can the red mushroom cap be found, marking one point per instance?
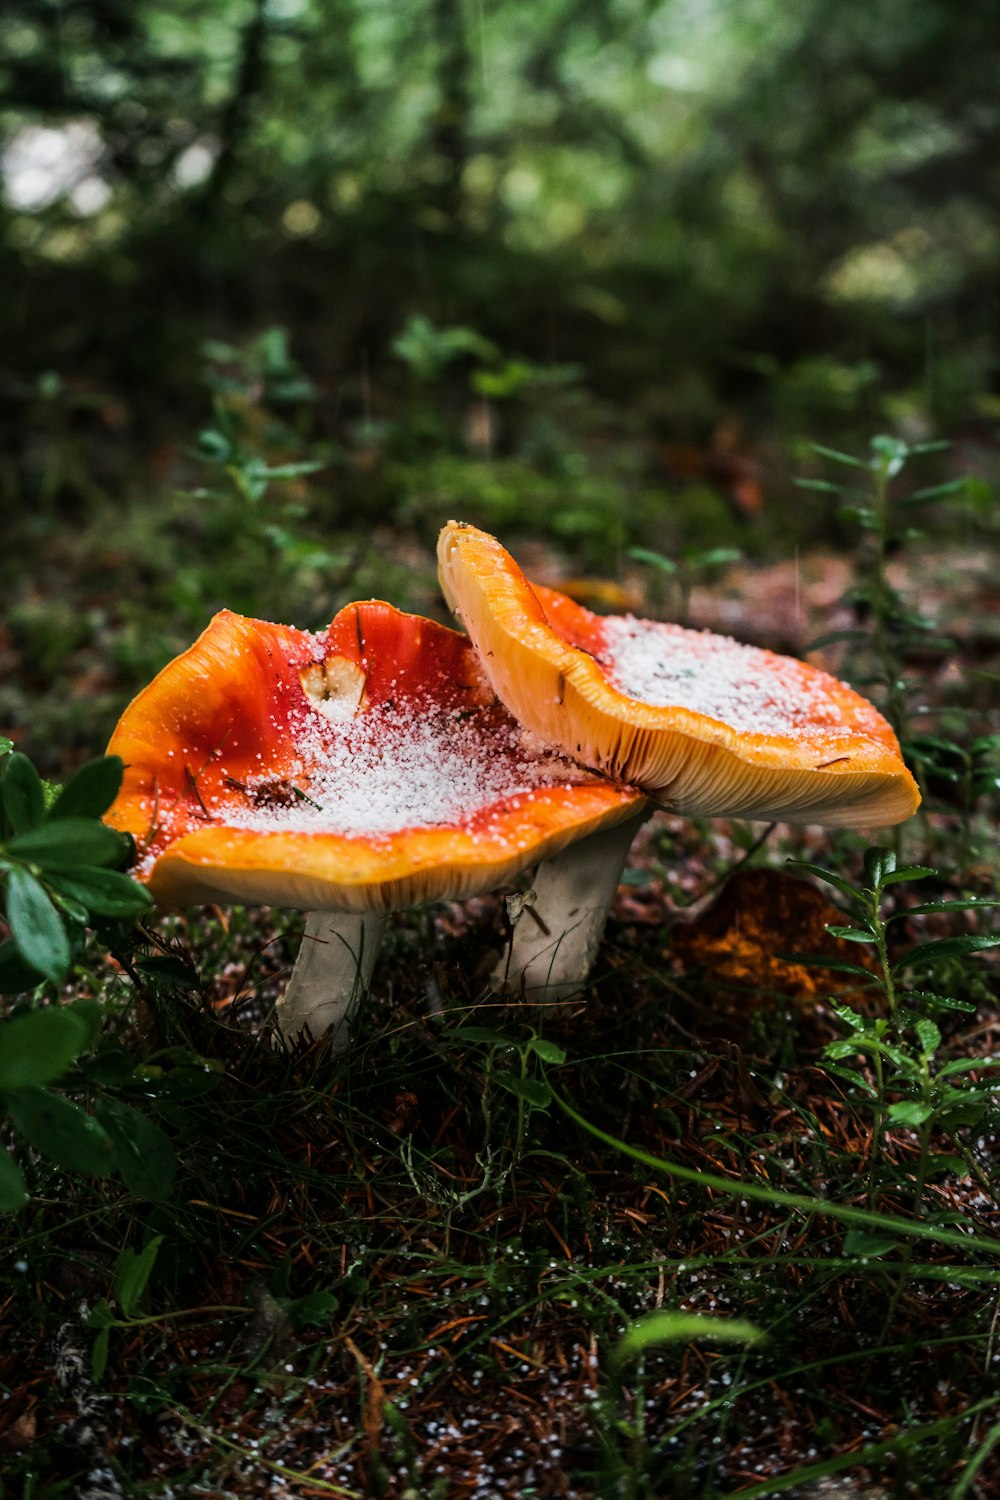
(368, 767)
(705, 725)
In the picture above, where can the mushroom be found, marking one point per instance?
(702, 724)
(350, 773)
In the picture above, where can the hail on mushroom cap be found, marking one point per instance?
(360, 770)
(702, 723)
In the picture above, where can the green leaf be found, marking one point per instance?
(315, 1309)
(851, 1018)
(909, 1112)
(69, 907)
(22, 793)
(99, 1354)
(682, 1327)
(549, 1052)
(90, 792)
(35, 926)
(837, 456)
(931, 907)
(879, 864)
(111, 1067)
(911, 872)
(63, 1132)
(106, 893)
(953, 947)
(891, 453)
(142, 1153)
(824, 486)
(38, 1047)
(101, 1315)
(13, 1193)
(845, 1047)
(851, 1076)
(939, 1002)
(652, 559)
(16, 976)
(132, 1273)
(842, 885)
(168, 969)
(936, 491)
(293, 471)
(928, 1035)
(533, 1091)
(867, 1245)
(70, 842)
(851, 934)
(968, 1065)
(6, 745)
(716, 557)
(90, 1013)
(482, 1035)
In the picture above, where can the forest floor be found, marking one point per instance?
(386, 1275)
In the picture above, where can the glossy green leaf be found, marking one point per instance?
(971, 904)
(866, 1245)
(13, 1192)
(35, 926)
(132, 1273)
(90, 792)
(533, 1091)
(168, 969)
(879, 864)
(68, 842)
(482, 1035)
(838, 457)
(63, 1132)
(105, 893)
(852, 934)
(928, 1035)
(953, 947)
(38, 1047)
(939, 1002)
(99, 1354)
(652, 559)
(314, 1310)
(548, 1051)
(909, 1112)
(16, 976)
(22, 793)
(142, 1153)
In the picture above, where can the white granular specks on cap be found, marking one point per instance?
(395, 767)
(668, 666)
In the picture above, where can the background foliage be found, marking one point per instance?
(698, 200)
(694, 303)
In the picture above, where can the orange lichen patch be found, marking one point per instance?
(702, 723)
(363, 768)
(747, 941)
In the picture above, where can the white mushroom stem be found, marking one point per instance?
(331, 975)
(558, 932)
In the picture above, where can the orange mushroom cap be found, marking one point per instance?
(366, 768)
(703, 724)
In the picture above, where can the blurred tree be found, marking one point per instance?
(688, 197)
